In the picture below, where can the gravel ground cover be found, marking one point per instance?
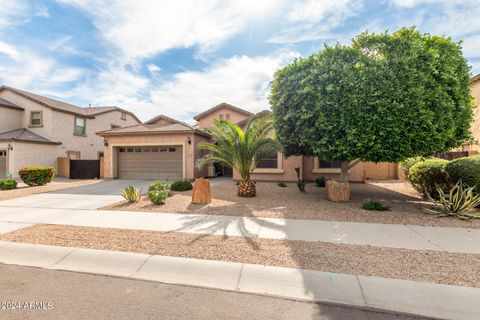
(417, 265)
(273, 201)
(23, 190)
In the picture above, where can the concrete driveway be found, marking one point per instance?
(85, 197)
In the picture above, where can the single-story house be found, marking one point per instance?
(165, 148)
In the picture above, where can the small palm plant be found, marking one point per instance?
(132, 194)
(240, 149)
(459, 202)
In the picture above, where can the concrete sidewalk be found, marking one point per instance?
(417, 298)
(458, 240)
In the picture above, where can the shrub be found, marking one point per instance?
(158, 192)
(408, 163)
(426, 175)
(8, 184)
(281, 184)
(465, 169)
(181, 185)
(320, 182)
(375, 206)
(132, 194)
(459, 202)
(36, 176)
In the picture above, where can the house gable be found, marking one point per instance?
(221, 111)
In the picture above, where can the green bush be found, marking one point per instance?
(8, 184)
(132, 194)
(426, 175)
(466, 170)
(36, 176)
(375, 206)
(181, 185)
(320, 182)
(408, 163)
(158, 192)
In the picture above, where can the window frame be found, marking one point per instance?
(30, 124)
(84, 134)
(123, 116)
(279, 169)
(317, 169)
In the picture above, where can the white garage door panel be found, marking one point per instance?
(150, 162)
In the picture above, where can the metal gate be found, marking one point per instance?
(84, 169)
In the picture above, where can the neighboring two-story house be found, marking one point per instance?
(165, 148)
(36, 130)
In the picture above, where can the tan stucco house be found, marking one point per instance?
(475, 128)
(36, 130)
(165, 148)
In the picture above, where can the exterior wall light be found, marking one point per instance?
(9, 147)
(105, 142)
(189, 141)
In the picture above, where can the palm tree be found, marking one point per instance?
(240, 149)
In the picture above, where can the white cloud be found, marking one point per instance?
(142, 29)
(12, 12)
(9, 50)
(153, 68)
(314, 19)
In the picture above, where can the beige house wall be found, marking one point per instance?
(189, 154)
(29, 154)
(475, 128)
(10, 119)
(310, 173)
(207, 121)
(59, 127)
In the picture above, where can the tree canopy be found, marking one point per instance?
(385, 97)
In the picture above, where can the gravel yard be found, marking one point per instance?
(287, 202)
(57, 184)
(430, 266)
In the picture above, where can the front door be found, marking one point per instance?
(3, 163)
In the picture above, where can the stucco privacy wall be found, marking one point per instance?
(149, 140)
(475, 90)
(10, 119)
(207, 121)
(355, 174)
(30, 154)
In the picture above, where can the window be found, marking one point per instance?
(329, 164)
(155, 149)
(172, 149)
(79, 126)
(269, 162)
(220, 116)
(163, 149)
(227, 116)
(36, 118)
(121, 150)
(129, 149)
(326, 166)
(138, 149)
(124, 116)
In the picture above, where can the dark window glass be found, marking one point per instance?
(325, 164)
(80, 126)
(270, 162)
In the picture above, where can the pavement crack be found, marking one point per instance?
(425, 238)
(239, 277)
(66, 256)
(141, 266)
(361, 290)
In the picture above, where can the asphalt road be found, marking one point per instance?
(68, 295)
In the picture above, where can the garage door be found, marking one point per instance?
(3, 163)
(150, 163)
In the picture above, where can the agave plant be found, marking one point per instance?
(132, 194)
(240, 149)
(459, 202)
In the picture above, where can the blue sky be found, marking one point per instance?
(179, 58)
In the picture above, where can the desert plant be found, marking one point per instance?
(458, 202)
(426, 175)
(7, 184)
(466, 169)
(158, 192)
(320, 182)
(375, 206)
(132, 194)
(281, 184)
(240, 149)
(181, 185)
(36, 176)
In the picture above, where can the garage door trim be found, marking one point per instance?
(151, 144)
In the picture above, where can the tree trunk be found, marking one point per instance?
(247, 189)
(344, 172)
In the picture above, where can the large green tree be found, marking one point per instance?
(385, 97)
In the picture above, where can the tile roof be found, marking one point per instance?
(8, 104)
(476, 78)
(220, 106)
(153, 128)
(25, 135)
(259, 114)
(61, 106)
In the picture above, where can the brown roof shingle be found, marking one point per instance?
(8, 104)
(220, 106)
(25, 135)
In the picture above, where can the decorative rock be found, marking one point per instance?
(201, 192)
(337, 191)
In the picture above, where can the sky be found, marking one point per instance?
(179, 58)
